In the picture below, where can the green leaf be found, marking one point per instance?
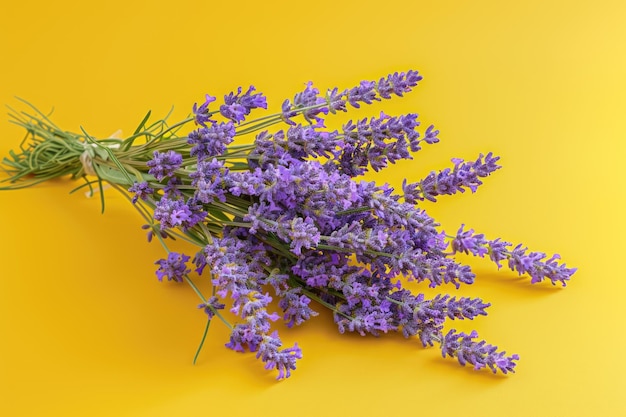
(143, 122)
(101, 152)
(113, 175)
(218, 214)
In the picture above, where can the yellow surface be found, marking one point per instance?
(87, 329)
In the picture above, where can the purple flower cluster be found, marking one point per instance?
(396, 83)
(478, 353)
(287, 214)
(450, 181)
(174, 268)
(208, 181)
(211, 141)
(237, 268)
(141, 190)
(211, 306)
(201, 113)
(173, 213)
(313, 104)
(518, 258)
(237, 106)
(373, 143)
(377, 142)
(164, 164)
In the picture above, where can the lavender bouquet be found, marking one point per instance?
(288, 216)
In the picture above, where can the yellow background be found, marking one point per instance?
(85, 327)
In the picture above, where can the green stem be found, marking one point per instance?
(206, 331)
(354, 210)
(338, 249)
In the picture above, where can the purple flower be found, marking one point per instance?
(309, 103)
(270, 149)
(398, 83)
(255, 302)
(420, 266)
(367, 307)
(174, 267)
(252, 306)
(172, 190)
(518, 259)
(163, 164)
(430, 135)
(533, 264)
(462, 308)
(176, 213)
(142, 190)
(336, 101)
(479, 354)
(310, 100)
(464, 174)
(295, 308)
(211, 306)
(211, 141)
(300, 233)
(468, 242)
(237, 106)
(288, 111)
(372, 321)
(154, 230)
(284, 361)
(237, 266)
(201, 113)
(415, 315)
(305, 141)
(377, 142)
(209, 181)
(356, 239)
(365, 92)
(323, 269)
(244, 336)
(230, 272)
(295, 190)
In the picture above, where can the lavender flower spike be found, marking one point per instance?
(398, 83)
(480, 354)
(174, 267)
(464, 174)
(284, 361)
(163, 164)
(211, 306)
(237, 106)
(211, 141)
(309, 99)
(519, 260)
(201, 113)
(142, 190)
